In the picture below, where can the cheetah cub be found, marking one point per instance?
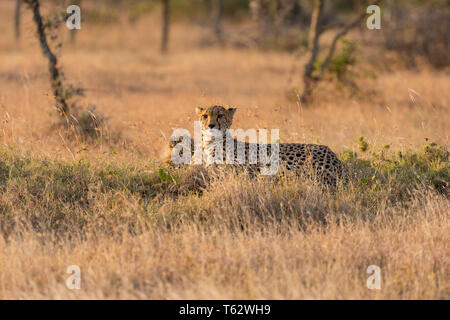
(307, 158)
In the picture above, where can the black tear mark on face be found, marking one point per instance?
(216, 117)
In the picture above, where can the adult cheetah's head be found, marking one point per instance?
(215, 117)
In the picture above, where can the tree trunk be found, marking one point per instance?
(55, 74)
(260, 11)
(17, 19)
(285, 11)
(310, 80)
(313, 51)
(165, 26)
(217, 12)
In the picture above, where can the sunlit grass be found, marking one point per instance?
(141, 229)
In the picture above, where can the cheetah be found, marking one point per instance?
(307, 158)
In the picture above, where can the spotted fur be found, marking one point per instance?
(315, 160)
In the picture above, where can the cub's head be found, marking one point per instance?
(215, 117)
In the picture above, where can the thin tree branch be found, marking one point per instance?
(339, 35)
(55, 74)
(313, 36)
(17, 19)
(217, 14)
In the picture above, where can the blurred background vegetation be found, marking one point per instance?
(413, 30)
(246, 52)
(409, 27)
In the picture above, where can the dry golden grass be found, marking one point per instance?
(135, 235)
(241, 239)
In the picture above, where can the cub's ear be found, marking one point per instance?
(199, 110)
(231, 111)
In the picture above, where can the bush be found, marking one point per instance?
(401, 171)
(419, 31)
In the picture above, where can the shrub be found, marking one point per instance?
(419, 31)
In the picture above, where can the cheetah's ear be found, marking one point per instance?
(231, 111)
(199, 110)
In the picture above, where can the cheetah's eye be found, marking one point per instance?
(204, 116)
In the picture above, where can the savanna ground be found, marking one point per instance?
(142, 230)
